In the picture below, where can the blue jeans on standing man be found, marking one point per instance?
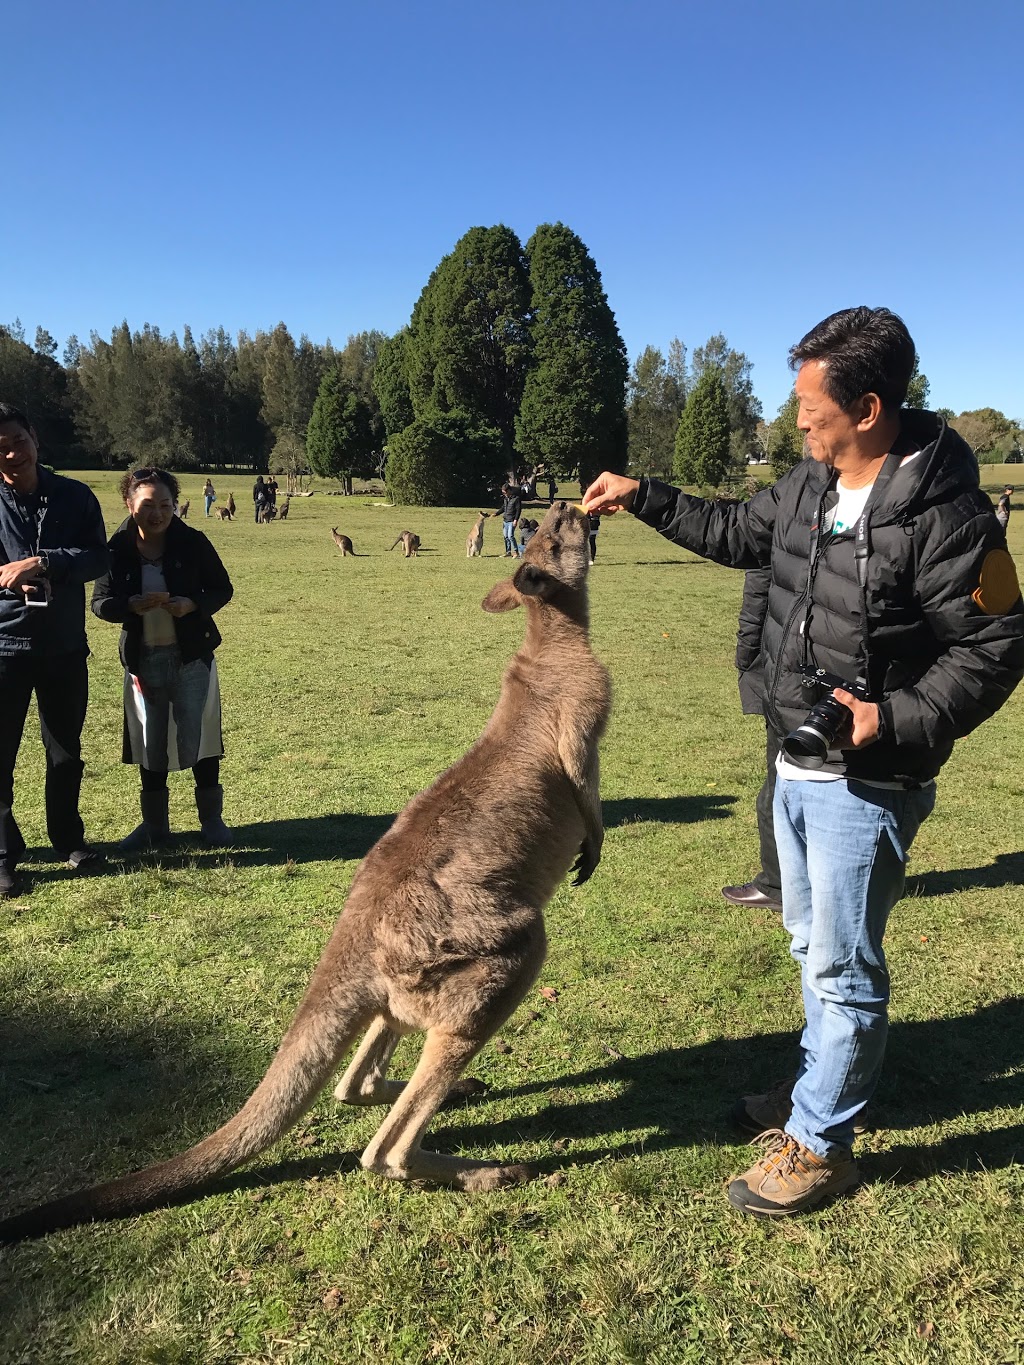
(509, 531)
(843, 847)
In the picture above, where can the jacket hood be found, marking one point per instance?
(945, 467)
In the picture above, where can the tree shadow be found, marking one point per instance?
(78, 1099)
(666, 810)
(1006, 869)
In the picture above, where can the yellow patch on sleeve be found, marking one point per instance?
(998, 589)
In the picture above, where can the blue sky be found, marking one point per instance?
(745, 168)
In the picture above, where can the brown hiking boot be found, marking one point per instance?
(755, 1114)
(789, 1179)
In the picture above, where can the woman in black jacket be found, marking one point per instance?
(165, 583)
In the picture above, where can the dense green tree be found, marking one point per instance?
(339, 436)
(45, 344)
(391, 384)
(987, 431)
(787, 439)
(446, 459)
(918, 388)
(744, 407)
(469, 338)
(653, 409)
(702, 438)
(36, 383)
(573, 410)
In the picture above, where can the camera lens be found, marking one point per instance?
(807, 746)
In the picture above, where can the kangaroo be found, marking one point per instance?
(283, 514)
(183, 509)
(443, 929)
(231, 506)
(224, 513)
(410, 544)
(343, 543)
(475, 539)
(267, 513)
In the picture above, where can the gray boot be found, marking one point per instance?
(210, 805)
(155, 827)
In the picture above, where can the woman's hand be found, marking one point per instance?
(180, 606)
(146, 601)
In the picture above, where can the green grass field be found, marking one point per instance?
(139, 1009)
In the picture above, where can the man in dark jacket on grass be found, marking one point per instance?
(52, 542)
(892, 592)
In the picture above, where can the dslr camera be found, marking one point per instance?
(807, 746)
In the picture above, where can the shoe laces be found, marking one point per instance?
(782, 1153)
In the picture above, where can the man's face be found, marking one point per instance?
(19, 451)
(830, 432)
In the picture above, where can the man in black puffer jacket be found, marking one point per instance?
(52, 542)
(893, 592)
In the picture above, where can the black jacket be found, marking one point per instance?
(70, 532)
(940, 661)
(753, 610)
(511, 507)
(192, 568)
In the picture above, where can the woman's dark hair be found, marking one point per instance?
(865, 350)
(135, 478)
(9, 413)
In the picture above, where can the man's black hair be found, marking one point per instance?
(9, 413)
(865, 350)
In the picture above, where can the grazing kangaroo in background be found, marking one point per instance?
(343, 543)
(410, 544)
(224, 513)
(283, 514)
(443, 929)
(231, 506)
(475, 539)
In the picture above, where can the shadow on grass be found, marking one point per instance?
(74, 1094)
(1007, 869)
(344, 836)
(666, 810)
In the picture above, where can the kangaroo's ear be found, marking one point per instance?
(502, 597)
(533, 582)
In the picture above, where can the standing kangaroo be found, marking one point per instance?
(231, 505)
(343, 543)
(410, 544)
(475, 539)
(283, 514)
(443, 929)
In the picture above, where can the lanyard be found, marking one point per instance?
(862, 550)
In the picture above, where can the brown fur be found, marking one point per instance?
(231, 505)
(183, 509)
(410, 544)
(475, 539)
(343, 543)
(283, 514)
(443, 929)
(224, 513)
(267, 513)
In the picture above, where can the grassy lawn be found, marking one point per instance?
(139, 1009)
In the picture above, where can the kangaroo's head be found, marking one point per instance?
(554, 565)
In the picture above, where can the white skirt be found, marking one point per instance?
(171, 711)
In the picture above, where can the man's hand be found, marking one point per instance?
(20, 572)
(610, 493)
(865, 719)
(180, 606)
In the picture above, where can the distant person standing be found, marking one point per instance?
(209, 496)
(52, 542)
(259, 496)
(271, 486)
(765, 890)
(1003, 507)
(511, 511)
(552, 490)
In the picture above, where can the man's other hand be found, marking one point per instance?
(865, 719)
(610, 493)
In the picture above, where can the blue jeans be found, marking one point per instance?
(842, 848)
(209, 499)
(509, 531)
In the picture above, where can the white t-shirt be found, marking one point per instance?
(158, 624)
(842, 517)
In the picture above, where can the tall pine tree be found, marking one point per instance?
(339, 436)
(702, 438)
(573, 410)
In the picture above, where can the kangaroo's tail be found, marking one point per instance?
(397, 542)
(319, 1036)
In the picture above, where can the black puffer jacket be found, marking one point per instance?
(192, 568)
(940, 662)
(749, 663)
